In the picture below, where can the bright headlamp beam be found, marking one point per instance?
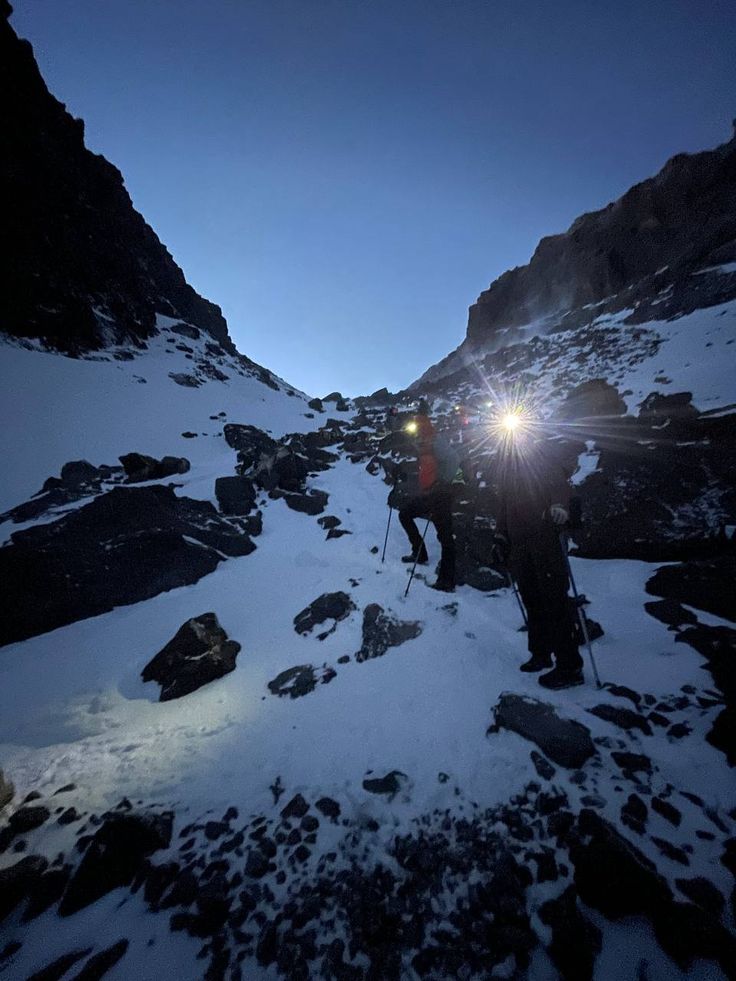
(511, 421)
(411, 427)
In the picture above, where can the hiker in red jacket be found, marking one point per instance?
(431, 497)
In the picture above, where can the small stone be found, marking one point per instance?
(296, 808)
(668, 811)
(542, 765)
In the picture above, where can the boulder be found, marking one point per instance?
(235, 495)
(388, 786)
(186, 330)
(116, 853)
(312, 503)
(594, 399)
(328, 606)
(300, 680)
(706, 584)
(199, 652)
(250, 442)
(316, 404)
(566, 742)
(624, 718)
(18, 881)
(124, 546)
(576, 942)
(139, 467)
(381, 630)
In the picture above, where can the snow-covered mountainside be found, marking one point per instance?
(665, 248)
(234, 746)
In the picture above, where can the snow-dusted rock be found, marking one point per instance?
(139, 467)
(300, 680)
(125, 546)
(381, 630)
(199, 652)
(564, 741)
(329, 606)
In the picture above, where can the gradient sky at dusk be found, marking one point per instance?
(345, 177)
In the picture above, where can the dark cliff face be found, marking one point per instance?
(682, 219)
(81, 267)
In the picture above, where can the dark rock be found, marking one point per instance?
(66, 789)
(125, 546)
(117, 852)
(199, 653)
(98, 966)
(186, 380)
(328, 606)
(215, 829)
(329, 807)
(256, 865)
(250, 442)
(235, 495)
(309, 823)
(667, 811)
(621, 691)
(296, 808)
(679, 730)
(316, 404)
(186, 330)
(576, 942)
(28, 818)
(300, 680)
(671, 851)
(313, 502)
(337, 533)
(139, 467)
(328, 521)
(61, 966)
(381, 631)
(703, 893)
(543, 766)
(634, 814)
(390, 785)
(183, 892)
(18, 881)
(46, 890)
(613, 876)
(633, 762)
(590, 400)
(86, 271)
(213, 903)
(159, 878)
(671, 612)
(706, 585)
(622, 717)
(564, 741)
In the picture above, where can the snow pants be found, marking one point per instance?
(436, 505)
(539, 567)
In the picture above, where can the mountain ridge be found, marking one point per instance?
(628, 254)
(83, 270)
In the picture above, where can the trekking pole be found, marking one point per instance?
(512, 584)
(385, 541)
(580, 612)
(419, 552)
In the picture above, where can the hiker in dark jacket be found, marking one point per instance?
(535, 496)
(429, 495)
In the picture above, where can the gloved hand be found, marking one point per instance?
(500, 549)
(558, 514)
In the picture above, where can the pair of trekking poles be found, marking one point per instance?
(419, 550)
(580, 613)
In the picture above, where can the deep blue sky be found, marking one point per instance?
(345, 176)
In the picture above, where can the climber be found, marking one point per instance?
(535, 494)
(428, 494)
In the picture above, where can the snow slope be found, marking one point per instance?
(76, 711)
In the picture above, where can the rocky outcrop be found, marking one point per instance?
(381, 630)
(329, 606)
(638, 252)
(127, 545)
(564, 741)
(115, 854)
(139, 467)
(81, 267)
(199, 652)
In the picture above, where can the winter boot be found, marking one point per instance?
(443, 585)
(562, 678)
(537, 662)
(418, 555)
